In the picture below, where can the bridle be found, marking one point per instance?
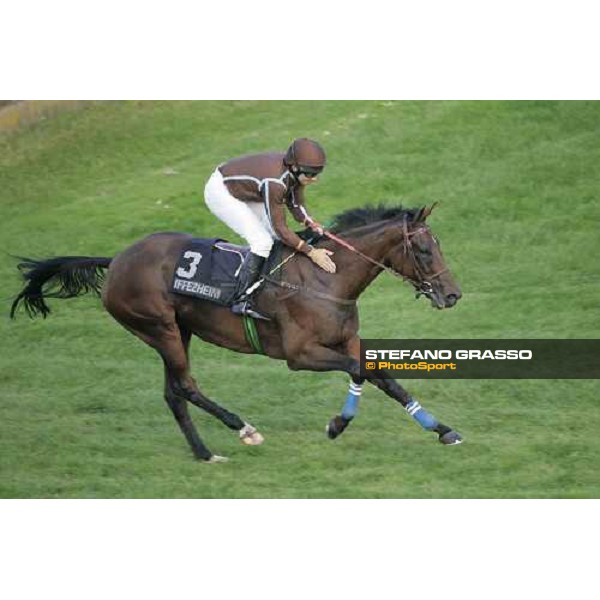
(423, 282)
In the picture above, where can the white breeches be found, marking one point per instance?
(247, 219)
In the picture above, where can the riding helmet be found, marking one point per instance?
(305, 153)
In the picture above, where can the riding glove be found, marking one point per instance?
(320, 256)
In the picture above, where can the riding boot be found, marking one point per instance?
(249, 274)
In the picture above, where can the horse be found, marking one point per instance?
(314, 318)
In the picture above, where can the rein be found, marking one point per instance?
(422, 285)
(350, 247)
(298, 288)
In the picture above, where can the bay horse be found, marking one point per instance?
(313, 322)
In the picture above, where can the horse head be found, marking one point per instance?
(416, 254)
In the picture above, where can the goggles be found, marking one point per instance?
(309, 171)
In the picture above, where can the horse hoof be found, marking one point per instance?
(336, 426)
(451, 438)
(215, 458)
(331, 431)
(254, 439)
(250, 436)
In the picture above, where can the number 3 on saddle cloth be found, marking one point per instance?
(208, 269)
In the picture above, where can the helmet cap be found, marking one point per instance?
(305, 153)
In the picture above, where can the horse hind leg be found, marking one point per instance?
(172, 343)
(173, 353)
(179, 409)
(247, 433)
(164, 336)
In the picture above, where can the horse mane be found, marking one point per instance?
(364, 215)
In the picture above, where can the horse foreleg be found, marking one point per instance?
(413, 407)
(338, 424)
(321, 358)
(389, 386)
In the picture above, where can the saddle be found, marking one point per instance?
(208, 269)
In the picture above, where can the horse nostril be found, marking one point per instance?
(452, 299)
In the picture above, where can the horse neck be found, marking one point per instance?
(356, 273)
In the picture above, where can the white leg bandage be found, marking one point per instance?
(244, 218)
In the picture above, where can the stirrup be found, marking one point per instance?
(245, 308)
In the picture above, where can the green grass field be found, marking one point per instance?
(81, 408)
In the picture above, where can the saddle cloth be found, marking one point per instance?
(208, 269)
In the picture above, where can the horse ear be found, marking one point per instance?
(426, 211)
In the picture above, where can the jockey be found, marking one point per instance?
(250, 194)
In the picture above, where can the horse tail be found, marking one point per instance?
(60, 277)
